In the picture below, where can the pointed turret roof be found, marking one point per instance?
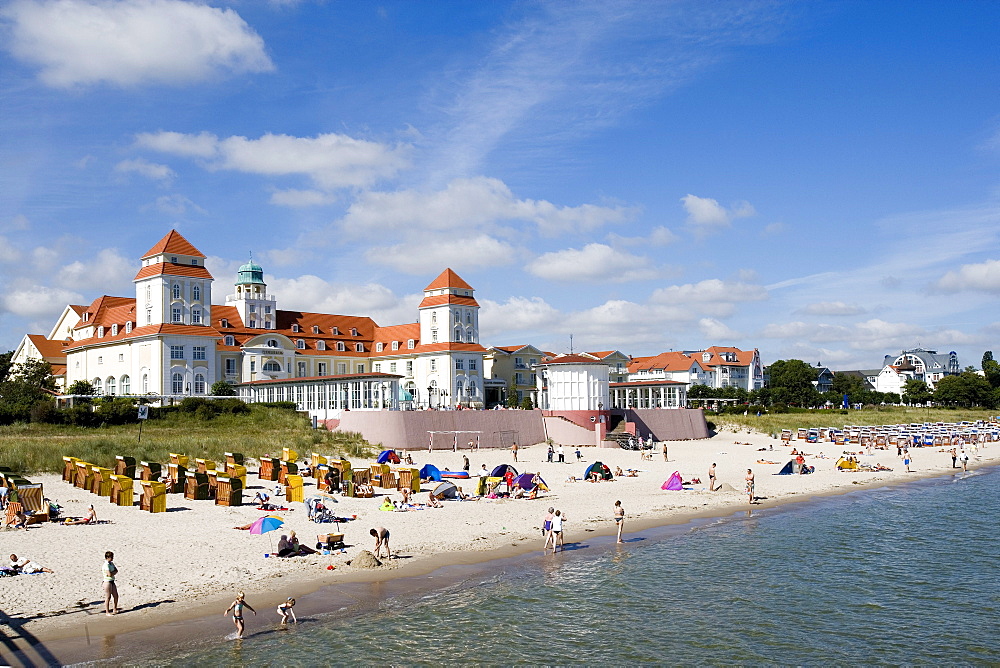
(448, 279)
(174, 242)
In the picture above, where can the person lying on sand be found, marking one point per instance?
(91, 518)
(618, 471)
(765, 461)
(433, 502)
(27, 566)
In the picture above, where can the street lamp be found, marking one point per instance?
(430, 391)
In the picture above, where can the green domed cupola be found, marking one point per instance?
(250, 273)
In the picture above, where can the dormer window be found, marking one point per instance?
(224, 322)
(395, 345)
(86, 317)
(229, 340)
(114, 330)
(359, 347)
(100, 332)
(300, 344)
(410, 344)
(378, 347)
(340, 346)
(128, 327)
(194, 261)
(295, 327)
(335, 331)
(321, 345)
(173, 259)
(354, 331)
(315, 329)
(706, 357)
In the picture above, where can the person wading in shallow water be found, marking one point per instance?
(619, 519)
(750, 484)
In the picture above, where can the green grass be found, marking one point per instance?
(40, 447)
(774, 423)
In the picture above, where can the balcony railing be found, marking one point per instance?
(250, 295)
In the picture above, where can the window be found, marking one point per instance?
(173, 259)
(253, 309)
(341, 368)
(128, 327)
(199, 383)
(86, 317)
(410, 343)
(378, 347)
(315, 329)
(300, 344)
(354, 331)
(395, 345)
(149, 294)
(199, 352)
(321, 345)
(434, 317)
(196, 316)
(519, 379)
(302, 369)
(100, 359)
(145, 383)
(434, 336)
(176, 352)
(335, 331)
(360, 368)
(111, 385)
(434, 365)
(272, 343)
(230, 366)
(229, 340)
(409, 368)
(100, 332)
(224, 322)
(193, 261)
(272, 366)
(267, 309)
(149, 316)
(295, 328)
(321, 368)
(175, 314)
(392, 367)
(359, 347)
(340, 346)
(121, 357)
(473, 364)
(253, 366)
(459, 365)
(98, 386)
(468, 317)
(114, 330)
(177, 384)
(196, 292)
(177, 291)
(253, 323)
(378, 368)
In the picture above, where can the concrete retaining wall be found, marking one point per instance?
(565, 432)
(407, 430)
(669, 424)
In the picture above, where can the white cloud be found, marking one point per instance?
(984, 276)
(430, 254)
(373, 300)
(871, 335)
(330, 160)
(515, 314)
(108, 272)
(150, 170)
(662, 236)
(130, 42)
(19, 223)
(177, 205)
(8, 253)
(707, 215)
(301, 198)
(831, 308)
(30, 300)
(593, 262)
(709, 291)
(472, 203)
(714, 330)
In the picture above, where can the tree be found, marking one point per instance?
(5, 360)
(991, 369)
(915, 391)
(845, 383)
(83, 387)
(791, 382)
(512, 401)
(27, 384)
(967, 389)
(221, 388)
(526, 403)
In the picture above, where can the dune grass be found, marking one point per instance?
(34, 447)
(773, 423)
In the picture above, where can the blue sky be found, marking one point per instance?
(816, 180)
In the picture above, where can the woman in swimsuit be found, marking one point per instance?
(619, 519)
(237, 608)
(750, 484)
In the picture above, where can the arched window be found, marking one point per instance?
(199, 383)
(378, 347)
(315, 329)
(196, 316)
(359, 347)
(300, 344)
(128, 327)
(340, 346)
(149, 294)
(272, 366)
(458, 334)
(272, 343)
(468, 317)
(177, 291)
(230, 340)
(410, 344)
(110, 385)
(98, 386)
(100, 332)
(295, 328)
(395, 345)
(177, 384)
(196, 293)
(126, 385)
(321, 345)
(145, 383)
(114, 329)
(354, 331)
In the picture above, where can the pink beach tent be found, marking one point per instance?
(673, 484)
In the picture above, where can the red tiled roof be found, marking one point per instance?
(171, 269)
(448, 279)
(401, 333)
(58, 369)
(570, 359)
(438, 300)
(743, 357)
(174, 242)
(47, 347)
(107, 310)
(147, 330)
(669, 361)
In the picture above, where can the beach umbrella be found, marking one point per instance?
(266, 524)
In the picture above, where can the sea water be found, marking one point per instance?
(900, 575)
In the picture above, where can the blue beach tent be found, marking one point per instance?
(430, 472)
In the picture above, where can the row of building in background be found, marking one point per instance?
(170, 340)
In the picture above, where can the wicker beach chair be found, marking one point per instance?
(270, 469)
(178, 477)
(122, 490)
(205, 465)
(101, 485)
(287, 468)
(84, 475)
(289, 455)
(180, 460)
(125, 465)
(229, 492)
(154, 496)
(196, 486)
(69, 469)
(294, 488)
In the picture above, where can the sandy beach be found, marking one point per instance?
(182, 563)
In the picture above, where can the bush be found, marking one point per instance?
(231, 406)
(779, 408)
(221, 388)
(117, 411)
(44, 411)
(205, 412)
(80, 415)
(289, 405)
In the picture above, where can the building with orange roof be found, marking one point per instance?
(715, 367)
(170, 340)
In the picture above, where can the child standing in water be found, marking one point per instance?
(237, 608)
(285, 610)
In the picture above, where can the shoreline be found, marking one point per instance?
(68, 636)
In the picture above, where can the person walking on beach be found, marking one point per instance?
(110, 588)
(513, 450)
(547, 528)
(750, 484)
(557, 531)
(711, 477)
(964, 457)
(551, 453)
(285, 610)
(664, 452)
(954, 457)
(237, 610)
(381, 535)
(906, 460)
(465, 463)
(562, 454)
(619, 519)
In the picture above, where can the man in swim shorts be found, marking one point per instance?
(711, 477)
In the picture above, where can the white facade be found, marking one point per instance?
(573, 383)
